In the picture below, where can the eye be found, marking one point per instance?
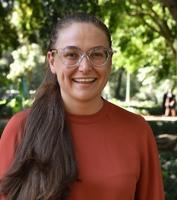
(71, 55)
(98, 54)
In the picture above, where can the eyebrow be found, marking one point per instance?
(76, 47)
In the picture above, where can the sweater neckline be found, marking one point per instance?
(86, 119)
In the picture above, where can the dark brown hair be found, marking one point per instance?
(44, 166)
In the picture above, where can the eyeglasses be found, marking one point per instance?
(72, 56)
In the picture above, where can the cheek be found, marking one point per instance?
(64, 76)
(107, 72)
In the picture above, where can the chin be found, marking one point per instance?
(87, 97)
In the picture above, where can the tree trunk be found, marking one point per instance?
(127, 98)
(119, 83)
(172, 5)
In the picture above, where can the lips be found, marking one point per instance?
(84, 80)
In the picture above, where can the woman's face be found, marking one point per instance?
(83, 82)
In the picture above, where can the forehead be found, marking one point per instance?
(84, 35)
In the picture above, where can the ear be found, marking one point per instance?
(51, 61)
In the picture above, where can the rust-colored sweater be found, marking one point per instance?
(115, 151)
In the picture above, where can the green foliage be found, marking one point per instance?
(26, 58)
(8, 34)
(145, 38)
(143, 31)
(34, 19)
(19, 103)
(169, 170)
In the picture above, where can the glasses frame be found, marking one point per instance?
(58, 51)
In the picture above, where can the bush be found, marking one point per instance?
(169, 171)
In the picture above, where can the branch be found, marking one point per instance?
(172, 6)
(151, 26)
(161, 28)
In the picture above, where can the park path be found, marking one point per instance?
(159, 118)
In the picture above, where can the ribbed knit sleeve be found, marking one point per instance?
(150, 185)
(9, 141)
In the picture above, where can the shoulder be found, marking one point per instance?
(115, 111)
(127, 121)
(10, 139)
(18, 119)
(20, 116)
(15, 124)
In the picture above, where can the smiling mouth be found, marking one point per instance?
(84, 80)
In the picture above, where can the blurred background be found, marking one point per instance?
(144, 34)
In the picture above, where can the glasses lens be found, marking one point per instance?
(70, 56)
(98, 56)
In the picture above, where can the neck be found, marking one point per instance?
(84, 107)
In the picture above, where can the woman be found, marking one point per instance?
(72, 144)
(169, 103)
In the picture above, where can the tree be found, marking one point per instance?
(143, 31)
(8, 35)
(156, 17)
(172, 6)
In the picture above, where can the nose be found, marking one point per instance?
(84, 64)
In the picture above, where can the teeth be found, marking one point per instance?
(84, 80)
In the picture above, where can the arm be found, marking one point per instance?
(150, 185)
(9, 141)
